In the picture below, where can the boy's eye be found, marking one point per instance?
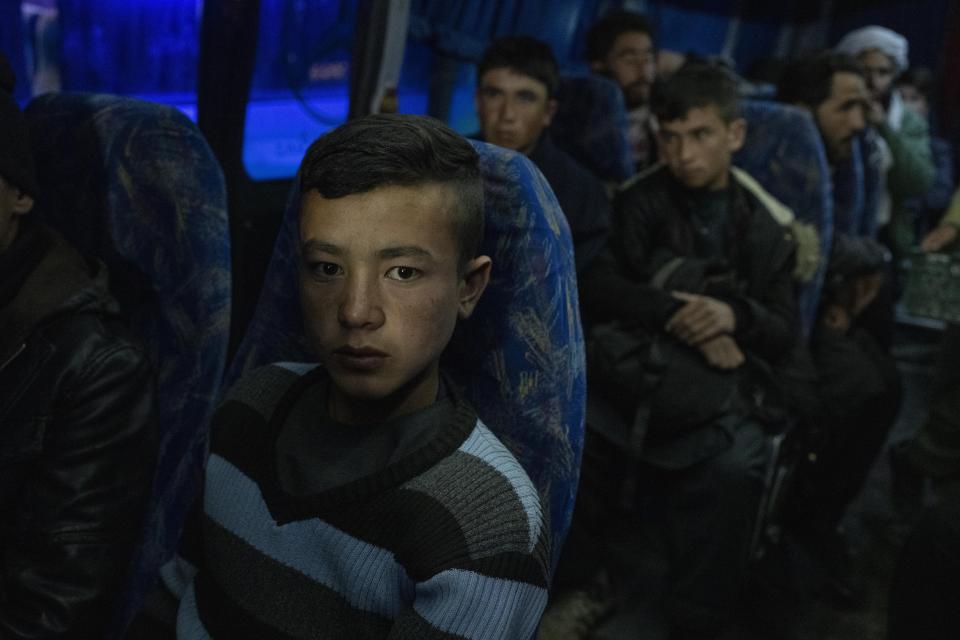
(326, 269)
(403, 273)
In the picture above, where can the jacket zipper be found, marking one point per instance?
(14, 356)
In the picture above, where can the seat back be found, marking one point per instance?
(519, 358)
(783, 152)
(135, 184)
(591, 125)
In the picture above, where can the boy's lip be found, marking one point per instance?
(360, 358)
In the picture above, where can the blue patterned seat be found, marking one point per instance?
(520, 357)
(135, 184)
(783, 152)
(591, 125)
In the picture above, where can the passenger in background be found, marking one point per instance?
(77, 439)
(620, 46)
(916, 89)
(515, 100)
(859, 385)
(883, 55)
(700, 272)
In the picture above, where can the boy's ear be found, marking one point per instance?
(476, 275)
(22, 203)
(737, 132)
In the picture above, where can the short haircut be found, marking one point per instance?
(400, 150)
(692, 86)
(604, 32)
(921, 78)
(809, 80)
(525, 55)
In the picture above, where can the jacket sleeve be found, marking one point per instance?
(592, 223)
(63, 570)
(913, 170)
(615, 286)
(768, 325)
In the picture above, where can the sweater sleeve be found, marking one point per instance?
(913, 170)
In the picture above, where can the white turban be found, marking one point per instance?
(889, 42)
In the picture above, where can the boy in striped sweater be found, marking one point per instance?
(362, 497)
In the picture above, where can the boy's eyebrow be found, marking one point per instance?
(404, 252)
(311, 246)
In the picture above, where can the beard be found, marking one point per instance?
(636, 94)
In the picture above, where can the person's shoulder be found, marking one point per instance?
(486, 491)
(914, 125)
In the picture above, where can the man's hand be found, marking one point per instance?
(722, 352)
(836, 318)
(876, 114)
(865, 290)
(700, 319)
(939, 238)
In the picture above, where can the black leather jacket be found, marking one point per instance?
(77, 447)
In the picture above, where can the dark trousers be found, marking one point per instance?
(704, 516)
(860, 391)
(925, 597)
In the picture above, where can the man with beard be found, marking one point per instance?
(882, 54)
(620, 46)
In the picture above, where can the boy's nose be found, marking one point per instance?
(360, 306)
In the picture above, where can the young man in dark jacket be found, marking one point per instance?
(517, 84)
(698, 266)
(76, 419)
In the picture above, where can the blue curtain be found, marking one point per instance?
(130, 46)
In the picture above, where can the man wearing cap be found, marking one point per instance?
(76, 418)
(883, 55)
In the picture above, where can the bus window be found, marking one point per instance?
(147, 48)
(452, 98)
(301, 82)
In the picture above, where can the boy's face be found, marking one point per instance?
(381, 290)
(914, 100)
(632, 62)
(843, 114)
(513, 108)
(697, 148)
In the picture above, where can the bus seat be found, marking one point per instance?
(520, 357)
(783, 152)
(858, 184)
(135, 184)
(591, 125)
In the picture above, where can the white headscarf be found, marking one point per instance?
(875, 37)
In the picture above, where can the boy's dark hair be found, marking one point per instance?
(525, 55)
(399, 150)
(603, 33)
(692, 86)
(921, 78)
(809, 80)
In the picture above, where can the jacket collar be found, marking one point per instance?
(61, 282)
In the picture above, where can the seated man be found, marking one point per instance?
(859, 384)
(700, 270)
(517, 83)
(76, 418)
(620, 46)
(363, 497)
